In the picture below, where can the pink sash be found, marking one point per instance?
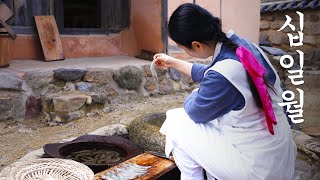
(257, 71)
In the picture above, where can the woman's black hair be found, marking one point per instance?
(190, 22)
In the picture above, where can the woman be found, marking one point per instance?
(222, 127)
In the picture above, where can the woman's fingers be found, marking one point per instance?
(159, 63)
(161, 59)
(157, 55)
(158, 58)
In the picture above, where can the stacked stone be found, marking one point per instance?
(272, 21)
(64, 95)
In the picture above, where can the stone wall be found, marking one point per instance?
(272, 21)
(64, 95)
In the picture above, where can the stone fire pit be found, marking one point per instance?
(144, 131)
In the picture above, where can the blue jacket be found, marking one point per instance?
(216, 96)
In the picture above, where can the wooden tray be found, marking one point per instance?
(160, 166)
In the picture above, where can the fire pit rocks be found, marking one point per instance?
(144, 131)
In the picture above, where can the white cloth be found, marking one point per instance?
(236, 145)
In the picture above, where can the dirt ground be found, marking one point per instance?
(19, 138)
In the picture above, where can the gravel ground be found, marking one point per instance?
(19, 138)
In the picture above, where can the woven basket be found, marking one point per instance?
(50, 169)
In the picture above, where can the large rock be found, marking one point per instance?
(312, 131)
(314, 18)
(303, 169)
(313, 145)
(72, 116)
(33, 107)
(263, 36)
(111, 93)
(11, 81)
(275, 37)
(276, 25)
(54, 119)
(69, 102)
(99, 76)
(38, 79)
(111, 130)
(98, 98)
(315, 29)
(69, 86)
(69, 74)
(268, 17)
(186, 80)
(307, 144)
(162, 72)
(310, 40)
(316, 176)
(166, 86)
(129, 77)
(144, 131)
(174, 74)
(312, 57)
(264, 25)
(276, 64)
(300, 138)
(7, 100)
(52, 88)
(150, 85)
(12, 105)
(84, 86)
(147, 71)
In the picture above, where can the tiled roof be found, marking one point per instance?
(290, 5)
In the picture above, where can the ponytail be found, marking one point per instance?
(219, 36)
(222, 37)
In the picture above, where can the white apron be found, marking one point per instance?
(237, 145)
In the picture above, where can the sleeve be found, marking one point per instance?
(215, 97)
(198, 71)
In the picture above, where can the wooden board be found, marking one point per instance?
(8, 28)
(49, 37)
(3, 30)
(5, 45)
(5, 12)
(160, 166)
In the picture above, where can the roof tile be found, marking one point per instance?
(289, 5)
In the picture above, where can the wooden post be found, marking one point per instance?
(5, 47)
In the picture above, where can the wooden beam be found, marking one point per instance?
(5, 12)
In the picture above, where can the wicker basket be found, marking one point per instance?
(49, 169)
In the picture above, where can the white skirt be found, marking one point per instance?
(265, 157)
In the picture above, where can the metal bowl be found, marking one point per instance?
(125, 148)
